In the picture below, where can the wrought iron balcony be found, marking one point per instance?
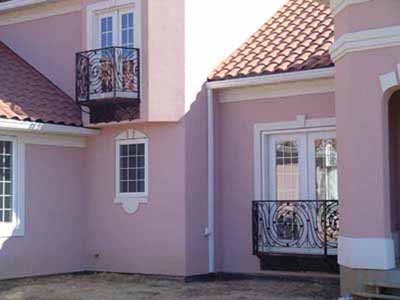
(108, 74)
(295, 227)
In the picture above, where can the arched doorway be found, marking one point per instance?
(394, 159)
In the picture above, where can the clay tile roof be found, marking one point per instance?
(27, 95)
(296, 38)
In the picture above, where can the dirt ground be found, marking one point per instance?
(127, 287)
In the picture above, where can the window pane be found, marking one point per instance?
(123, 187)
(7, 216)
(287, 170)
(141, 186)
(132, 149)
(124, 21)
(132, 186)
(326, 169)
(140, 173)
(123, 150)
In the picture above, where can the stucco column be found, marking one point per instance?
(366, 239)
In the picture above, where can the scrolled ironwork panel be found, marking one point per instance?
(296, 225)
(112, 72)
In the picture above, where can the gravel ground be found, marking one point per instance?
(129, 287)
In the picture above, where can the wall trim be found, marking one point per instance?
(34, 11)
(273, 79)
(338, 5)
(301, 124)
(278, 90)
(390, 80)
(367, 253)
(35, 127)
(365, 40)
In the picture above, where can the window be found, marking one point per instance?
(6, 181)
(131, 169)
(11, 187)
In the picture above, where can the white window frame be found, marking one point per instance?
(131, 201)
(17, 226)
(112, 7)
(264, 133)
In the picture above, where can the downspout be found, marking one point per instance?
(210, 229)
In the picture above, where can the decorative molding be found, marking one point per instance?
(34, 127)
(130, 201)
(323, 73)
(367, 253)
(24, 13)
(390, 80)
(301, 124)
(365, 40)
(338, 5)
(279, 90)
(131, 134)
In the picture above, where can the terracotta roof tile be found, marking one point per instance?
(27, 95)
(296, 38)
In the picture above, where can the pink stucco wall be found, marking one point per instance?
(363, 144)
(196, 186)
(54, 216)
(151, 241)
(49, 44)
(235, 161)
(362, 16)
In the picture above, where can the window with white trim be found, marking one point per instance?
(132, 170)
(11, 187)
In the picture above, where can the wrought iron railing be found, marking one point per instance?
(301, 227)
(108, 73)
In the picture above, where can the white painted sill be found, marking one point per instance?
(130, 203)
(11, 230)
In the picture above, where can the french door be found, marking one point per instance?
(115, 36)
(301, 167)
(300, 186)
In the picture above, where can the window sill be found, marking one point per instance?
(7, 231)
(130, 203)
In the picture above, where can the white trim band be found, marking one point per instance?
(34, 127)
(367, 253)
(273, 79)
(365, 40)
(338, 5)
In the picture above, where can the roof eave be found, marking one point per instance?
(272, 79)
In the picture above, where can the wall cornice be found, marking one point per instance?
(338, 5)
(365, 40)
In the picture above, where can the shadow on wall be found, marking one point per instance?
(394, 164)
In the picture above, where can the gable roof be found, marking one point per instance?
(296, 38)
(27, 95)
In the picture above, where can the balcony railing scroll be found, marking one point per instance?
(298, 227)
(107, 73)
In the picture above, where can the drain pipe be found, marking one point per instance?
(210, 144)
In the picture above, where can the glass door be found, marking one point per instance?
(301, 192)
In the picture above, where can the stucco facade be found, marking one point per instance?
(202, 140)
